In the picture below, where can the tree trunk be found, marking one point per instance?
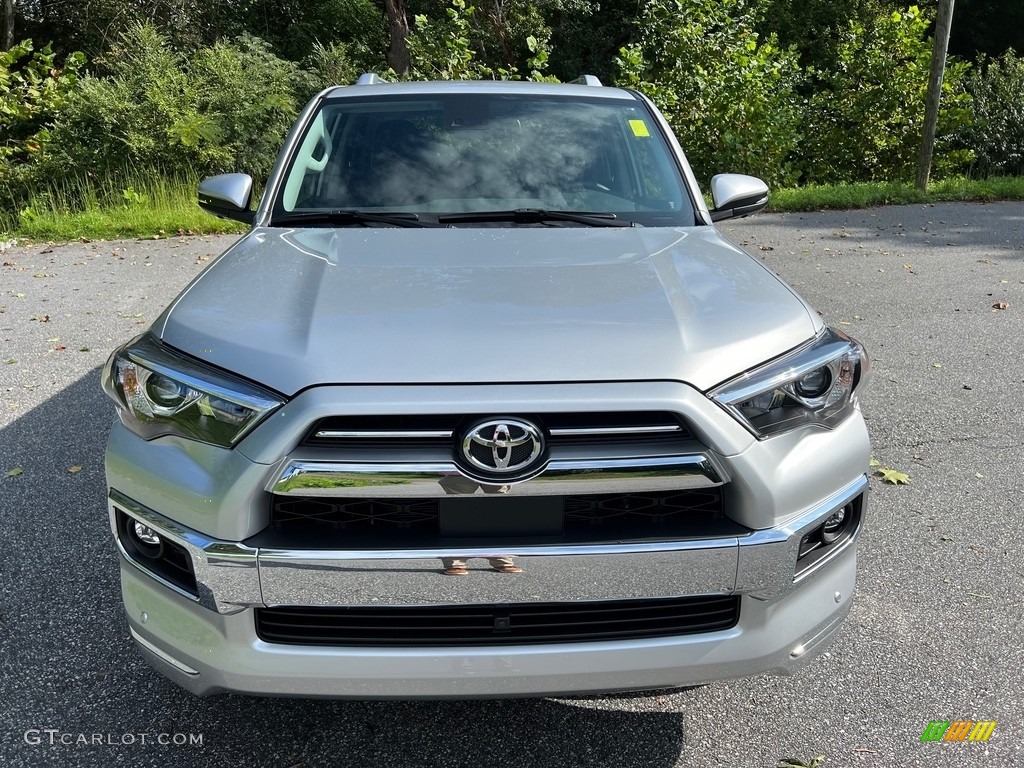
(8, 39)
(398, 29)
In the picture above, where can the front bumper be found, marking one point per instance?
(206, 652)
(207, 641)
(210, 503)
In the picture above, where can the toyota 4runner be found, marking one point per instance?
(483, 404)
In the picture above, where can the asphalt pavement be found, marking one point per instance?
(935, 292)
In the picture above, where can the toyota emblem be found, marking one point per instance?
(503, 446)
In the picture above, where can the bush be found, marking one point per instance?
(866, 115)
(730, 97)
(225, 107)
(32, 89)
(997, 136)
(335, 64)
(249, 93)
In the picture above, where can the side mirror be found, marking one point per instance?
(737, 195)
(228, 196)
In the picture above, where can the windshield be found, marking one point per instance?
(474, 153)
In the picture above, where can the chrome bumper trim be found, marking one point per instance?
(560, 477)
(768, 558)
(549, 574)
(232, 576)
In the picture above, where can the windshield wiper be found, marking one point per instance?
(536, 216)
(352, 216)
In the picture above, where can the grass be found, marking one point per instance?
(139, 205)
(869, 194)
(131, 206)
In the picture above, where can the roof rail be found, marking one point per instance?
(586, 80)
(370, 78)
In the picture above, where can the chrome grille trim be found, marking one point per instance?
(392, 430)
(638, 430)
(383, 480)
(338, 434)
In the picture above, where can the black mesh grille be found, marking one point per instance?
(513, 624)
(323, 522)
(354, 515)
(644, 510)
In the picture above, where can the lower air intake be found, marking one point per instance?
(512, 624)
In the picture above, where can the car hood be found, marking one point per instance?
(293, 308)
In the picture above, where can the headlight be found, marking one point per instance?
(814, 384)
(160, 392)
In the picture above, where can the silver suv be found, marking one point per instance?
(484, 405)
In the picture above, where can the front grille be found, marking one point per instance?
(323, 523)
(442, 431)
(643, 510)
(354, 516)
(513, 624)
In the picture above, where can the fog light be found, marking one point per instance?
(146, 535)
(834, 525)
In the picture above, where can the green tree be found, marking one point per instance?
(448, 49)
(33, 88)
(505, 37)
(586, 36)
(729, 96)
(997, 134)
(865, 117)
(817, 27)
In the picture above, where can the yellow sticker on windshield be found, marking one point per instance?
(639, 128)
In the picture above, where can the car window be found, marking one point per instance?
(457, 153)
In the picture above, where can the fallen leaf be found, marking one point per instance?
(15, 472)
(936, 365)
(84, 349)
(10, 361)
(59, 348)
(1000, 305)
(74, 469)
(892, 476)
(978, 475)
(873, 462)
